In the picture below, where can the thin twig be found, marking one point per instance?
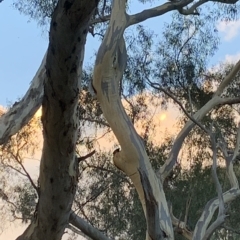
(110, 171)
(157, 86)
(15, 169)
(82, 158)
(26, 172)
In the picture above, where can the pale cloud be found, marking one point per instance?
(232, 58)
(230, 29)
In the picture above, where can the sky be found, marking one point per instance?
(23, 44)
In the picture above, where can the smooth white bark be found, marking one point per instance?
(132, 159)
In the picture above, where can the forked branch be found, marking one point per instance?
(198, 116)
(202, 231)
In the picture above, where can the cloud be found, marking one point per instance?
(230, 29)
(228, 59)
(232, 58)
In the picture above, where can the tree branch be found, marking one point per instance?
(226, 1)
(86, 228)
(132, 159)
(73, 229)
(157, 11)
(229, 164)
(221, 209)
(26, 172)
(15, 169)
(201, 231)
(100, 122)
(215, 101)
(21, 112)
(237, 145)
(82, 158)
(193, 9)
(100, 20)
(210, 209)
(228, 79)
(181, 227)
(110, 171)
(157, 86)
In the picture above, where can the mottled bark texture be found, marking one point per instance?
(58, 172)
(132, 158)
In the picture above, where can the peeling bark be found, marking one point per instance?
(58, 168)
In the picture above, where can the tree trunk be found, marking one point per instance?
(132, 159)
(58, 169)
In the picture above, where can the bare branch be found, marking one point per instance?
(201, 231)
(226, 1)
(90, 199)
(3, 195)
(237, 146)
(228, 79)
(100, 20)
(162, 9)
(181, 227)
(188, 203)
(103, 8)
(27, 174)
(221, 209)
(230, 101)
(86, 228)
(110, 171)
(214, 173)
(157, 11)
(229, 165)
(77, 231)
(15, 169)
(215, 101)
(101, 122)
(157, 86)
(193, 9)
(210, 209)
(82, 158)
(21, 112)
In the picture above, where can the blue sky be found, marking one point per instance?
(23, 44)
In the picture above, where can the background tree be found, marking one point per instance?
(70, 23)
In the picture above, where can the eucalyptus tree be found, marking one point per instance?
(56, 86)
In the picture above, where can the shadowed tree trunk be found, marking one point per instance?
(58, 169)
